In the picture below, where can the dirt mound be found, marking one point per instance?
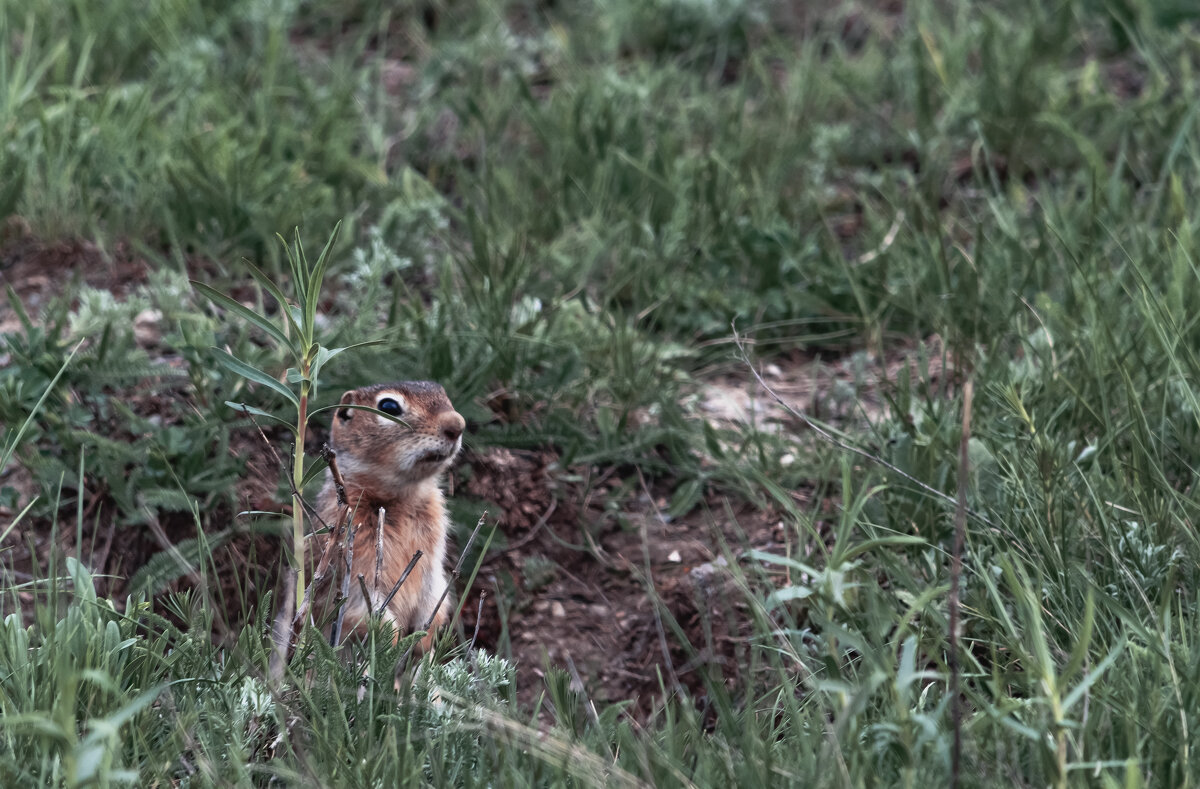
(631, 602)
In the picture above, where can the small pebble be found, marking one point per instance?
(705, 574)
(147, 328)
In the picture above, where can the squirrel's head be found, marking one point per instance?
(415, 437)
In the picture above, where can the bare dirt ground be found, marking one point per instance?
(603, 595)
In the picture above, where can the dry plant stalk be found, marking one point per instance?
(960, 536)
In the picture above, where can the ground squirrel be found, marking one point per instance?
(396, 466)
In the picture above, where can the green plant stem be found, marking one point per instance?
(297, 482)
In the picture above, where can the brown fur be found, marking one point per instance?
(396, 467)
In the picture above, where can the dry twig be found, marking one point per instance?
(960, 535)
(336, 636)
(652, 592)
(478, 619)
(399, 581)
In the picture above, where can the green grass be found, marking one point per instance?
(560, 211)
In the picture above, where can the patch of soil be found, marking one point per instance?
(244, 568)
(630, 602)
(39, 271)
(847, 390)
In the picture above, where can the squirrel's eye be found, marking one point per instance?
(389, 406)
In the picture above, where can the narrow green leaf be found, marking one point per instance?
(325, 354)
(897, 540)
(284, 305)
(18, 307)
(395, 419)
(254, 374)
(7, 451)
(686, 497)
(35, 724)
(295, 255)
(88, 756)
(907, 669)
(1028, 732)
(310, 473)
(99, 678)
(312, 287)
(1093, 675)
(787, 594)
(1083, 638)
(20, 516)
(246, 314)
(318, 272)
(103, 728)
(259, 412)
(771, 558)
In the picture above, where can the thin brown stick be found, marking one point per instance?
(342, 524)
(323, 566)
(341, 614)
(339, 484)
(960, 535)
(454, 574)
(652, 592)
(379, 547)
(270, 446)
(399, 581)
(478, 619)
(362, 585)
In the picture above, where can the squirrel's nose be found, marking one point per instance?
(452, 425)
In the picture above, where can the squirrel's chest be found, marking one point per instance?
(386, 538)
(415, 546)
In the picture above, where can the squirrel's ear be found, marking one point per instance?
(345, 413)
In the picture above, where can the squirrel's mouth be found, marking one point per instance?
(436, 456)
